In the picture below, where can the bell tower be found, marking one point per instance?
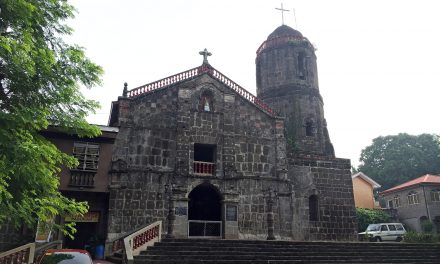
(287, 80)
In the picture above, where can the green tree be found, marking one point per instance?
(40, 78)
(392, 160)
(368, 216)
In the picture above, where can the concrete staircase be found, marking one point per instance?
(172, 251)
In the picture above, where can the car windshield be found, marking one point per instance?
(373, 227)
(65, 258)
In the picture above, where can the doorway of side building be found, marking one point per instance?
(82, 237)
(204, 212)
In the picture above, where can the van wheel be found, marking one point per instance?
(378, 239)
(398, 239)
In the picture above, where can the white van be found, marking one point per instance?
(384, 232)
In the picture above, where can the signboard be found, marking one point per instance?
(44, 230)
(90, 217)
(180, 210)
(231, 213)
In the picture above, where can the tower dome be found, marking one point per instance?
(284, 31)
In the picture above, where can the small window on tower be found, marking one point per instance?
(309, 128)
(205, 103)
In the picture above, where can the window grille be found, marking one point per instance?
(435, 195)
(413, 198)
(390, 204)
(87, 155)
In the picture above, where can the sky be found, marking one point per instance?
(378, 61)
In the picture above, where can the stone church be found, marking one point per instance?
(210, 159)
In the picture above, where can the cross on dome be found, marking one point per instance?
(282, 12)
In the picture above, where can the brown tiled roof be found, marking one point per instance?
(423, 179)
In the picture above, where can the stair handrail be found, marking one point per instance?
(19, 255)
(117, 243)
(41, 247)
(140, 240)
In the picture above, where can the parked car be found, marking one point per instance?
(65, 256)
(384, 232)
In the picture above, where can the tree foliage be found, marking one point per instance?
(392, 160)
(367, 216)
(40, 78)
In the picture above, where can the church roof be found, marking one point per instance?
(195, 72)
(423, 179)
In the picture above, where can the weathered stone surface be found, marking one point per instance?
(262, 164)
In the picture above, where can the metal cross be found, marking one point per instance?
(205, 54)
(282, 12)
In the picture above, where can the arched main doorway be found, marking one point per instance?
(204, 211)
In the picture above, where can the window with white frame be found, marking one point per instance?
(87, 155)
(396, 201)
(435, 195)
(413, 198)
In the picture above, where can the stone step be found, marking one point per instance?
(203, 247)
(284, 253)
(257, 251)
(279, 262)
(220, 243)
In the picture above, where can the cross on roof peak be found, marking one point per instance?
(205, 54)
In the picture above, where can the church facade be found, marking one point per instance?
(210, 159)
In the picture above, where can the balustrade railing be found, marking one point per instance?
(141, 239)
(82, 178)
(19, 255)
(205, 68)
(241, 91)
(279, 41)
(204, 168)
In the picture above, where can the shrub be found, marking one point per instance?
(414, 237)
(427, 226)
(367, 216)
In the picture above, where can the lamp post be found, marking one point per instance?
(270, 223)
(169, 188)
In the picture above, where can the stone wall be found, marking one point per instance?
(330, 180)
(155, 146)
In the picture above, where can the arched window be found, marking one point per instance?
(205, 103)
(313, 208)
(413, 198)
(309, 125)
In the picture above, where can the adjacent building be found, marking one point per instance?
(416, 201)
(363, 190)
(87, 182)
